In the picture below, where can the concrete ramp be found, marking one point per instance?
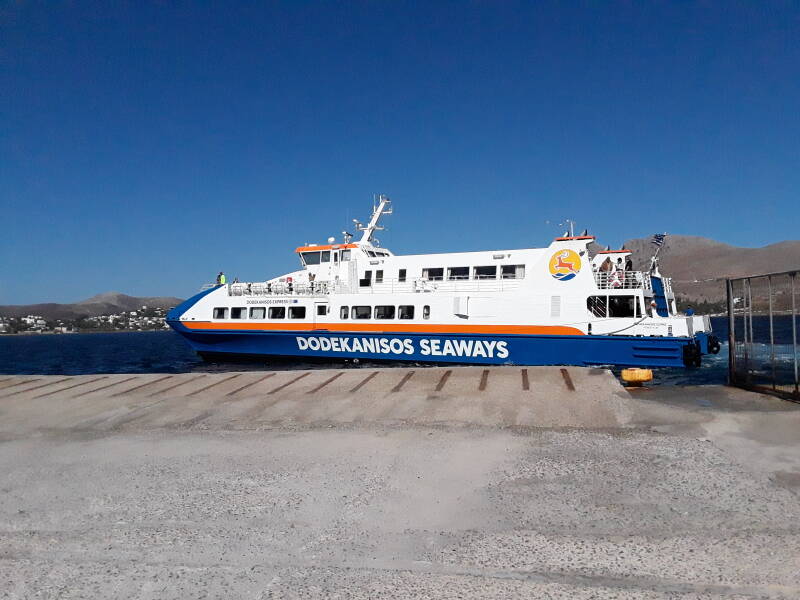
(492, 396)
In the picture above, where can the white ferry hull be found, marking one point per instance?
(584, 350)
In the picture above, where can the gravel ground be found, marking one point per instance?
(378, 511)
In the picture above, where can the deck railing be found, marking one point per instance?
(667, 285)
(430, 285)
(321, 288)
(369, 286)
(629, 280)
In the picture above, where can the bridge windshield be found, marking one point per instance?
(315, 258)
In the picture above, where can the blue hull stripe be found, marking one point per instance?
(445, 348)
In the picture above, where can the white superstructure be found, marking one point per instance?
(358, 286)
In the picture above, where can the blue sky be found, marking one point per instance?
(144, 147)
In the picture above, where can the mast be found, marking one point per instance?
(383, 207)
(658, 241)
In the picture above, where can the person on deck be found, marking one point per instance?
(628, 264)
(617, 274)
(618, 277)
(689, 311)
(221, 278)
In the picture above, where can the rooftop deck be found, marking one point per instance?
(626, 280)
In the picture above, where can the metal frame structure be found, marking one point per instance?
(746, 366)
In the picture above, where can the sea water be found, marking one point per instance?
(167, 352)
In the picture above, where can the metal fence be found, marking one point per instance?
(763, 323)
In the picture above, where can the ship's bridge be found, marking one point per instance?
(318, 254)
(331, 253)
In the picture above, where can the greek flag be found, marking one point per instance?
(658, 239)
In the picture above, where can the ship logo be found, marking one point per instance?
(565, 264)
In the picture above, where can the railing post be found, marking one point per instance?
(731, 334)
(746, 330)
(771, 333)
(750, 323)
(794, 336)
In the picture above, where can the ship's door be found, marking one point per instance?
(335, 266)
(321, 310)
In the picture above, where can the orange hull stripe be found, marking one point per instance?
(325, 247)
(372, 328)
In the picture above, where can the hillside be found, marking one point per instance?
(102, 304)
(692, 261)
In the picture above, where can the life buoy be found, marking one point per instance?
(616, 281)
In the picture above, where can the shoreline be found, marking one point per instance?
(38, 333)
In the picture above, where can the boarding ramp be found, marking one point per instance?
(763, 323)
(551, 397)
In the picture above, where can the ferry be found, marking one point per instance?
(355, 300)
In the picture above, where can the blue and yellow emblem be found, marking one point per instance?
(565, 264)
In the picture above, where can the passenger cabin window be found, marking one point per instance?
(311, 258)
(345, 255)
(238, 312)
(426, 312)
(220, 313)
(489, 272)
(361, 312)
(384, 312)
(597, 305)
(366, 281)
(297, 312)
(343, 312)
(622, 306)
(379, 276)
(457, 273)
(322, 310)
(258, 312)
(401, 275)
(277, 312)
(326, 256)
(433, 274)
(405, 311)
(513, 271)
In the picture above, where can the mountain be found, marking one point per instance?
(696, 263)
(102, 304)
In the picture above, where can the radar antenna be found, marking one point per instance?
(571, 231)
